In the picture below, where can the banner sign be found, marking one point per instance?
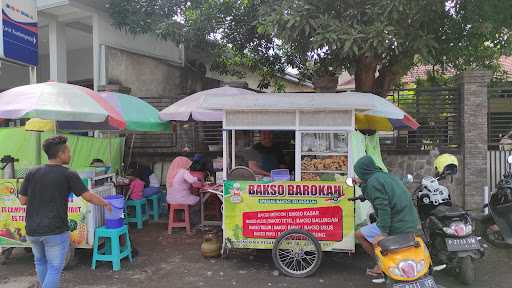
(19, 33)
(12, 217)
(256, 213)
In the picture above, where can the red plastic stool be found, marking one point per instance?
(172, 215)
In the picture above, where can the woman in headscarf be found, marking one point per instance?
(179, 183)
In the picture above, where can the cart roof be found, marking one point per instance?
(297, 101)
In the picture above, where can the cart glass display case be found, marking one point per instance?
(323, 155)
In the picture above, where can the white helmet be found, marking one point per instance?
(432, 192)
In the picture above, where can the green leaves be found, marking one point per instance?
(327, 36)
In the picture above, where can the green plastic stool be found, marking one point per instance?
(141, 212)
(154, 206)
(112, 251)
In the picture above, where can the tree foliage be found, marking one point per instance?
(377, 41)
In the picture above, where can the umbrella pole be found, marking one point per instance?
(131, 150)
(37, 144)
(110, 149)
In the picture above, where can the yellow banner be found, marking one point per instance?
(12, 217)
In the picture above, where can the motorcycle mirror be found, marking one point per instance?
(408, 179)
(350, 182)
(509, 159)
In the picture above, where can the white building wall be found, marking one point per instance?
(79, 67)
(43, 70)
(146, 45)
(12, 75)
(80, 64)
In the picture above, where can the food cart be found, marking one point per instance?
(302, 218)
(83, 217)
(73, 106)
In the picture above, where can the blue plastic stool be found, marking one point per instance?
(153, 203)
(112, 251)
(141, 212)
(164, 209)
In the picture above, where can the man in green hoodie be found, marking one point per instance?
(391, 201)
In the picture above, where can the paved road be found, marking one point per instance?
(176, 262)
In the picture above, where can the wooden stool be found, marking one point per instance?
(172, 215)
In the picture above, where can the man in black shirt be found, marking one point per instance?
(265, 156)
(45, 191)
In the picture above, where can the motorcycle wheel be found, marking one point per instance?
(493, 236)
(467, 271)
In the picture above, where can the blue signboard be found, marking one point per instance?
(19, 39)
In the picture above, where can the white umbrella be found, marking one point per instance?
(373, 112)
(190, 107)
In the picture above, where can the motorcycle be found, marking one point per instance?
(448, 229)
(404, 259)
(496, 226)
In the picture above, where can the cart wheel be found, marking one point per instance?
(5, 255)
(297, 253)
(68, 261)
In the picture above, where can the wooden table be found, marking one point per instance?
(205, 193)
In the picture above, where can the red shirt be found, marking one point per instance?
(137, 189)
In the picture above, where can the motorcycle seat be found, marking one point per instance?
(396, 242)
(448, 211)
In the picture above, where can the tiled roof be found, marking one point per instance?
(421, 71)
(347, 82)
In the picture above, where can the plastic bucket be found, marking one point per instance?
(114, 219)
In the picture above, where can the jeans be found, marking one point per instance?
(49, 256)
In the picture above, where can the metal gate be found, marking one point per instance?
(496, 165)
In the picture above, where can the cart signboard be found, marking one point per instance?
(257, 212)
(12, 217)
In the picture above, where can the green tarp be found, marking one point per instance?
(365, 145)
(373, 149)
(21, 145)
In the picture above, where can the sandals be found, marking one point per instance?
(372, 273)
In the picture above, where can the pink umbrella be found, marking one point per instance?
(58, 101)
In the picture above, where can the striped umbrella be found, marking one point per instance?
(138, 115)
(383, 123)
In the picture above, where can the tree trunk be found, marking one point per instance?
(366, 69)
(390, 74)
(384, 82)
(326, 84)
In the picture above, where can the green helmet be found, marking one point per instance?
(446, 164)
